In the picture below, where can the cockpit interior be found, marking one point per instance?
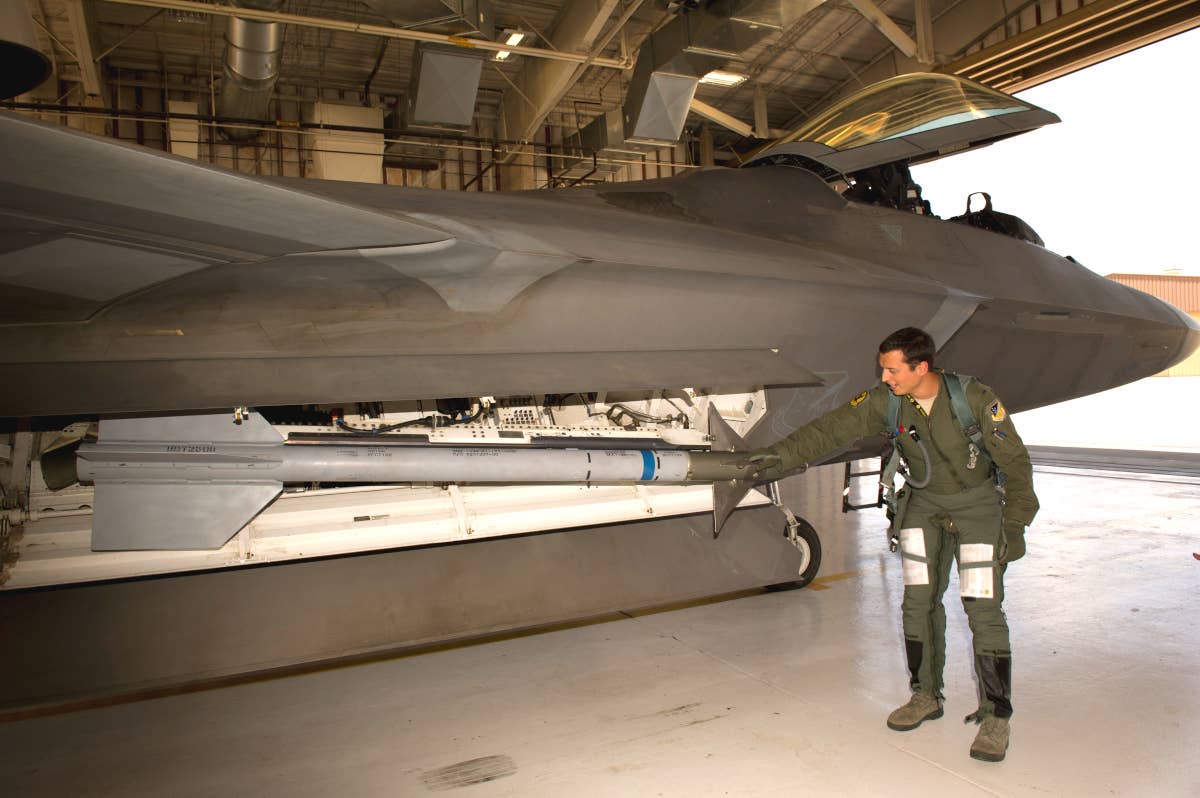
(865, 144)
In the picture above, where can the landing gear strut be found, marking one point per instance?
(803, 536)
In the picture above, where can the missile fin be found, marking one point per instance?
(726, 496)
(216, 427)
(727, 493)
(175, 515)
(723, 435)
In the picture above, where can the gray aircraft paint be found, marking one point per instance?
(177, 286)
(140, 282)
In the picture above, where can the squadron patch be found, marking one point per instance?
(997, 412)
(858, 400)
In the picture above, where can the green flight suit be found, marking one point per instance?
(958, 516)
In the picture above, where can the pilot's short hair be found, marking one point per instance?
(914, 343)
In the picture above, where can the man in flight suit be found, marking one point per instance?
(957, 513)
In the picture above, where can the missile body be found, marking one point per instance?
(191, 482)
(289, 463)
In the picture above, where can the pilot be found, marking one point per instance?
(968, 498)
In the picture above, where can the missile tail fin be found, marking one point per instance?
(723, 435)
(214, 427)
(727, 493)
(177, 515)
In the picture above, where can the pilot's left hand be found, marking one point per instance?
(1014, 541)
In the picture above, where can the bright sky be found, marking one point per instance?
(1117, 183)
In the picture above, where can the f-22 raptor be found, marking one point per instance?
(625, 320)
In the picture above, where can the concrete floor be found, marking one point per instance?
(766, 694)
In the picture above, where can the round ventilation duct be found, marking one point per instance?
(22, 64)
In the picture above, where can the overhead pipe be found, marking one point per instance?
(475, 18)
(442, 141)
(385, 31)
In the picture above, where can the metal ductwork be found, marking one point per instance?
(22, 65)
(444, 80)
(675, 57)
(252, 54)
(454, 17)
(253, 49)
(442, 88)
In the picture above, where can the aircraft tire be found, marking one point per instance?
(809, 539)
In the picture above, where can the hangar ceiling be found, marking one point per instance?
(125, 67)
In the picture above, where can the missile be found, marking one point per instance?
(186, 482)
(386, 463)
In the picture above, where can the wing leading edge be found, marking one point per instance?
(85, 220)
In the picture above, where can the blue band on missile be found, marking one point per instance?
(647, 465)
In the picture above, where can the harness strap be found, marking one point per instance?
(888, 475)
(956, 387)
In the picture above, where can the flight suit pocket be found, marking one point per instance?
(976, 570)
(912, 553)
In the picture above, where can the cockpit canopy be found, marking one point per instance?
(907, 119)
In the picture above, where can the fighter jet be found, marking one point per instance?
(142, 288)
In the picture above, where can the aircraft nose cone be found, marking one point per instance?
(1034, 357)
(1162, 340)
(1191, 337)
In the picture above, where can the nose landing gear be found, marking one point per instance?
(801, 534)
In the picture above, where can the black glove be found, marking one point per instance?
(1014, 541)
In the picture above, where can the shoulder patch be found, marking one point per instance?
(997, 411)
(858, 400)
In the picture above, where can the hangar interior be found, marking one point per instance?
(425, 93)
(384, 639)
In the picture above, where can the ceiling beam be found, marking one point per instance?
(1082, 37)
(762, 125)
(46, 44)
(924, 19)
(723, 119)
(904, 43)
(81, 17)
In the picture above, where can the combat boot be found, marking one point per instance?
(920, 708)
(992, 740)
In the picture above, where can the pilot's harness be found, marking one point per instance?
(956, 389)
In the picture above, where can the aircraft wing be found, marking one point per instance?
(85, 220)
(139, 281)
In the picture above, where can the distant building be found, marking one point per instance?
(1181, 291)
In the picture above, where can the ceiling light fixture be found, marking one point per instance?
(512, 38)
(719, 77)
